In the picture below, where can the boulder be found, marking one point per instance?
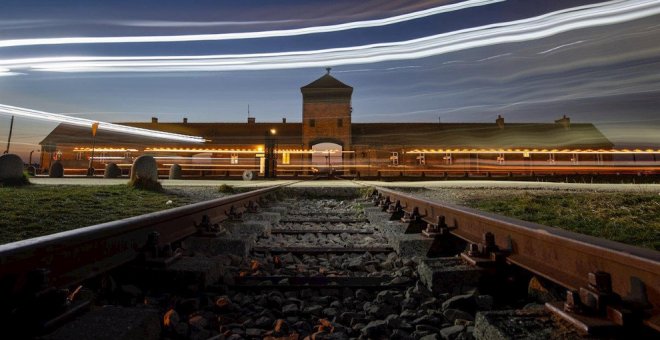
(112, 171)
(145, 168)
(56, 170)
(175, 171)
(11, 167)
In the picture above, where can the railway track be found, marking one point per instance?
(253, 266)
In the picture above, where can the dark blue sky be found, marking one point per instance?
(606, 74)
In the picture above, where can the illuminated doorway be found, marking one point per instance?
(327, 156)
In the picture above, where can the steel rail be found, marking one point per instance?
(73, 256)
(561, 256)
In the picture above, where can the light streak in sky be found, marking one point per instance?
(54, 117)
(250, 35)
(549, 24)
(561, 46)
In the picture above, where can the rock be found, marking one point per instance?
(302, 327)
(290, 309)
(387, 265)
(426, 320)
(450, 333)
(330, 312)
(429, 303)
(453, 314)
(175, 171)
(393, 321)
(362, 294)
(11, 167)
(264, 322)
(484, 302)
(356, 264)
(346, 317)
(386, 296)
(374, 329)
(111, 171)
(145, 168)
(313, 309)
(426, 328)
(409, 303)
(463, 302)
(56, 170)
(306, 293)
(537, 290)
(409, 314)
(400, 334)
(380, 311)
(430, 337)
(281, 328)
(253, 332)
(421, 290)
(198, 322)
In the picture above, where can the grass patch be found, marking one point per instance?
(37, 210)
(145, 184)
(632, 218)
(226, 189)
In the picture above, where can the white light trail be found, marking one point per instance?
(250, 35)
(546, 25)
(54, 117)
(561, 46)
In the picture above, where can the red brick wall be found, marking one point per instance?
(326, 126)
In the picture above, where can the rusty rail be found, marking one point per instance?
(561, 256)
(72, 256)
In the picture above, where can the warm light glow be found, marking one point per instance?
(535, 151)
(273, 131)
(103, 149)
(54, 117)
(200, 150)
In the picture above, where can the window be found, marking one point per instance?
(286, 158)
(79, 156)
(394, 158)
(234, 158)
(421, 159)
(340, 122)
(312, 122)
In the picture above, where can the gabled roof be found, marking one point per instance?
(326, 82)
(218, 133)
(376, 135)
(479, 135)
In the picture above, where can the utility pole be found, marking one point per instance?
(90, 169)
(11, 128)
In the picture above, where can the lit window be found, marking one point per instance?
(394, 158)
(421, 159)
(286, 158)
(234, 158)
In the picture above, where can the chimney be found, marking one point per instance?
(251, 120)
(154, 120)
(283, 120)
(500, 121)
(564, 121)
(185, 120)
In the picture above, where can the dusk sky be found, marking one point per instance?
(530, 61)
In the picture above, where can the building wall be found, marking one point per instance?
(327, 122)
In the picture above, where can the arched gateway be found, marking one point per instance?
(326, 119)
